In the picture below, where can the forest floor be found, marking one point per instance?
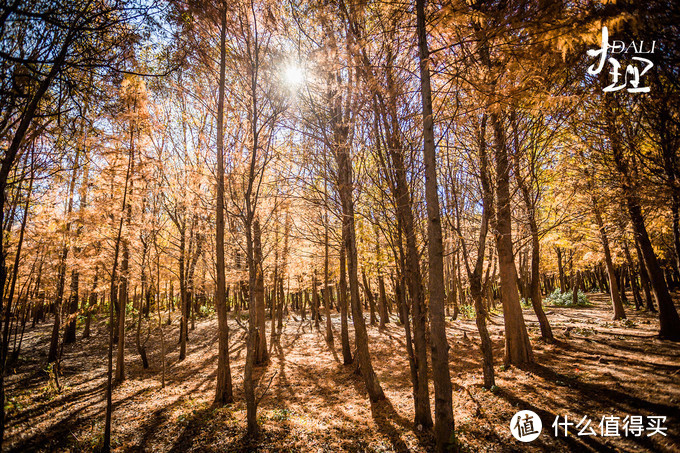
(597, 367)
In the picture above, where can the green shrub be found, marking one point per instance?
(468, 311)
(559, 299)
(206, 310)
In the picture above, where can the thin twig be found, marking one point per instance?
(257, 403)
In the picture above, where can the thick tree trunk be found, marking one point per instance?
(517, 346)
(669, 322)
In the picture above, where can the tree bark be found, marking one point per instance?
(342, 298)
(560, 268)
(112, 303)
(443, 409)
(61, 279)
(369, 297)
(342, 155)
(669, 322)
(261, 356)
(517, 346)
(223, 388)
(644, 278)
(535, 282)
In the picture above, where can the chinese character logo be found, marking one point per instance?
(525, 426)
(637, 68)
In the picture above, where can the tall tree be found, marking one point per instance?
(223, 388)
(443, 399)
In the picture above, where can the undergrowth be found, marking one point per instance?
(559, 299)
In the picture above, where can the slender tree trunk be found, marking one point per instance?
(327, 292)
(122, 306)
(670, 157)
(251, 339)
(342, 153)
(125, 262)
(560, 267)
(91, 303)
(622, 284)
(326, 288)
(669, 321)
(619, 312)
(535, 283)
(382, 302)
(61, 279)
(223, 389)
(4, 346)
(183, 296)
(158, 308)
(261, 355)
(141, 346)
(112, 302)
(475, 274)
(410, 264)
(633, 278)
(369, 296)
(575, 288)
(70, 332)
(644, 278)
(8, 161)
(342, 297)
(443, 407)
(315, 301)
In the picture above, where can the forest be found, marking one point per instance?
(339, 225)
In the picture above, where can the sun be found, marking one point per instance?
(294, 75)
